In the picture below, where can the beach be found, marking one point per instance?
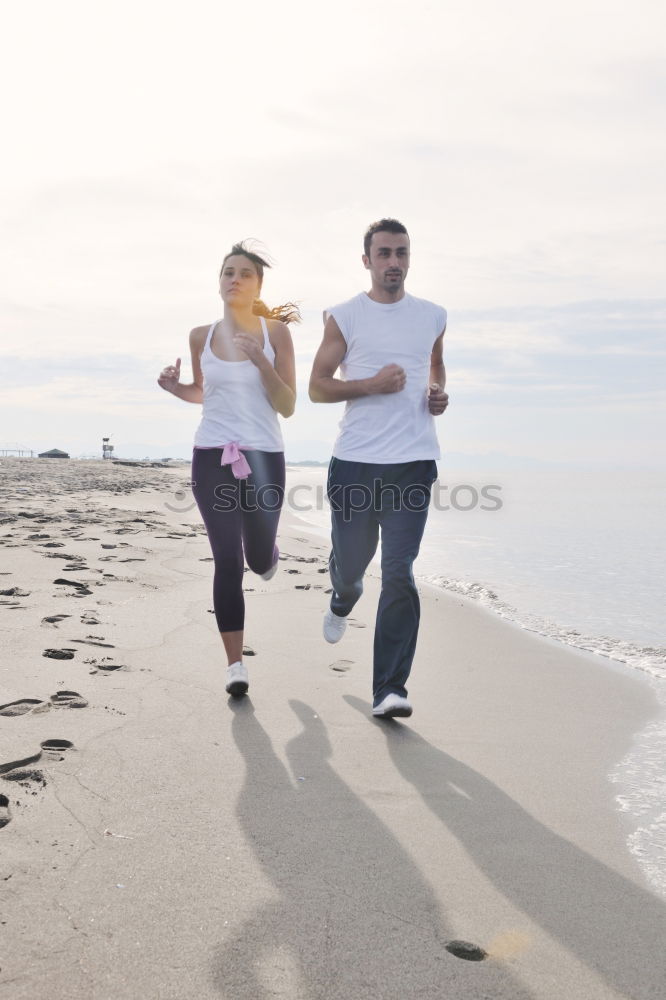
(161, 840)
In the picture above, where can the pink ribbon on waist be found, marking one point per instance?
(233, 456)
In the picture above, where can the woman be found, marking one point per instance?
(244, 374)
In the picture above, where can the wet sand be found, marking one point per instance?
(161, 840)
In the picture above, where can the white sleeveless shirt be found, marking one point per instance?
(397, 426)
(236, 406)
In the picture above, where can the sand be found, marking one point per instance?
(162, 840)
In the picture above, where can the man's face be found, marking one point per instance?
(388, 261)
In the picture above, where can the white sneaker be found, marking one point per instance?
(270, 573)
(393, 705)
(334, 627)
(237, 680)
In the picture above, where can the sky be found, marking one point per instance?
(523, 148)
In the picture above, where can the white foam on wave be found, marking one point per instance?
(641, 775)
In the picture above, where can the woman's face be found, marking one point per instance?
(239, 281)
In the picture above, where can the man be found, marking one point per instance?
(388, 346)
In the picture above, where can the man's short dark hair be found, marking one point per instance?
(383, 226)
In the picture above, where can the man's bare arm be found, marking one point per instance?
(438, 400)
(324, 388)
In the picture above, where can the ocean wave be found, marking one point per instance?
(641, 775)
(650, 659)
(642, 779)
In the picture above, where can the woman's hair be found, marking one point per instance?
(287, 313)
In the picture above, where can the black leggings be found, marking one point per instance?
(241, 518)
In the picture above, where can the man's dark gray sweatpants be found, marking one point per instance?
(366, 497)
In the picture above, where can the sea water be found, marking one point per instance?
(573, 553)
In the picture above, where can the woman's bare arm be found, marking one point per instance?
(169, 379)
(279, 380)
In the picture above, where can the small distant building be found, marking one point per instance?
(107, 449)
(21, 452)
(54, 453)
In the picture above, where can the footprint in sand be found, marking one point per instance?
(17, 765)
(248, 651)
(68, 699)
(341, 666)
(61, 699)
(355, 624)
(14, 592)
(59, 654)
(81, 589)
(54, 619)
(466, 950)
(26, 776)
(302, 586)
(55, 748)
(20, 707)
(74, 560)
(105, 664)
(94, 640)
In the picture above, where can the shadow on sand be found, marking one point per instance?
(352, 916)
(607, 922)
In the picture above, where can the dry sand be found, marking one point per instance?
(161, 840)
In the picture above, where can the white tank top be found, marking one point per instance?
(236, 406)
(397, 426)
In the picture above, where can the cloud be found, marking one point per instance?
(520, 145)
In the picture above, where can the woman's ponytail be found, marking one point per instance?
(287, 313)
